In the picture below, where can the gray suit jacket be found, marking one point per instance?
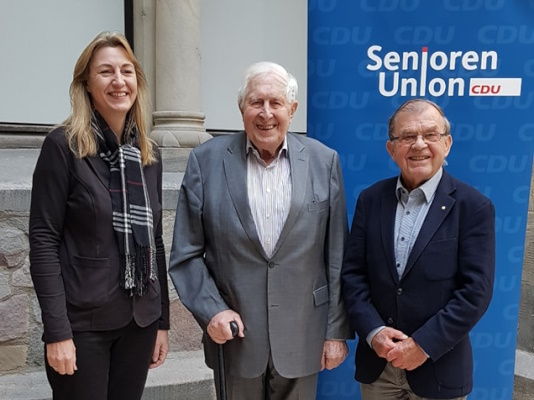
(290, 302)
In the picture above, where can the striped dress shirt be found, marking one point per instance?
(269, 194)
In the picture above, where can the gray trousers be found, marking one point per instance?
(269, 386)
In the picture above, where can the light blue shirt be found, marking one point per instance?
(412, 208)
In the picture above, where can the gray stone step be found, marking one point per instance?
(524, 375)
(183, 376)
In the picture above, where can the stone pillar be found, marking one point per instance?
(144, 26)
(178, 121)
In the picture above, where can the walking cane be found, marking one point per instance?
(222, 374)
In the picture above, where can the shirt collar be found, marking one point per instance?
(251, 149)
(428, 188)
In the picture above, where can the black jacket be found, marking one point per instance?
(74, 254)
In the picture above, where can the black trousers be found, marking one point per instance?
(112, 365)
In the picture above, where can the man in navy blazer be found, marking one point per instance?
(419, 267)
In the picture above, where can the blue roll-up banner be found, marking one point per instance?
(474, 58)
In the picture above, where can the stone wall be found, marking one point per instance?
(525, 335)
(524, 369)
(20, 331)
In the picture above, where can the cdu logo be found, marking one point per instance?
(495, 87)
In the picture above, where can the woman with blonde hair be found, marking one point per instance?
(96, 249)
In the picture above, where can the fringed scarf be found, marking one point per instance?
(132, 215)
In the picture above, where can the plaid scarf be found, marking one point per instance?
(132, 215)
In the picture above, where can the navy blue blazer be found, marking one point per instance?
(446, 287)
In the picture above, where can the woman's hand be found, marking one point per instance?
(161, 349)
(61, 357)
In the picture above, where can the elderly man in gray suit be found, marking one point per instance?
(259, 237)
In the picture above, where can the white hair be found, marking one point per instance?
(265, 68)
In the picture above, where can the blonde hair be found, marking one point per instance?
(81, 139)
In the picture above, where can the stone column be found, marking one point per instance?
(144, 27)
(178, 121)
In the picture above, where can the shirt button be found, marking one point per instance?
(402, 239)
(398, 265)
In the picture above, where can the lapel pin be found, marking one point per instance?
(443, 207)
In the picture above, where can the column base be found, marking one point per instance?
(176, 133)
(179, 128)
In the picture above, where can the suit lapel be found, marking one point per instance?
(440, 208)
(298, 159)
(100, 168)
(387, 227)
(235, 171)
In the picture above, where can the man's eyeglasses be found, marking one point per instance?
(428, 137)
